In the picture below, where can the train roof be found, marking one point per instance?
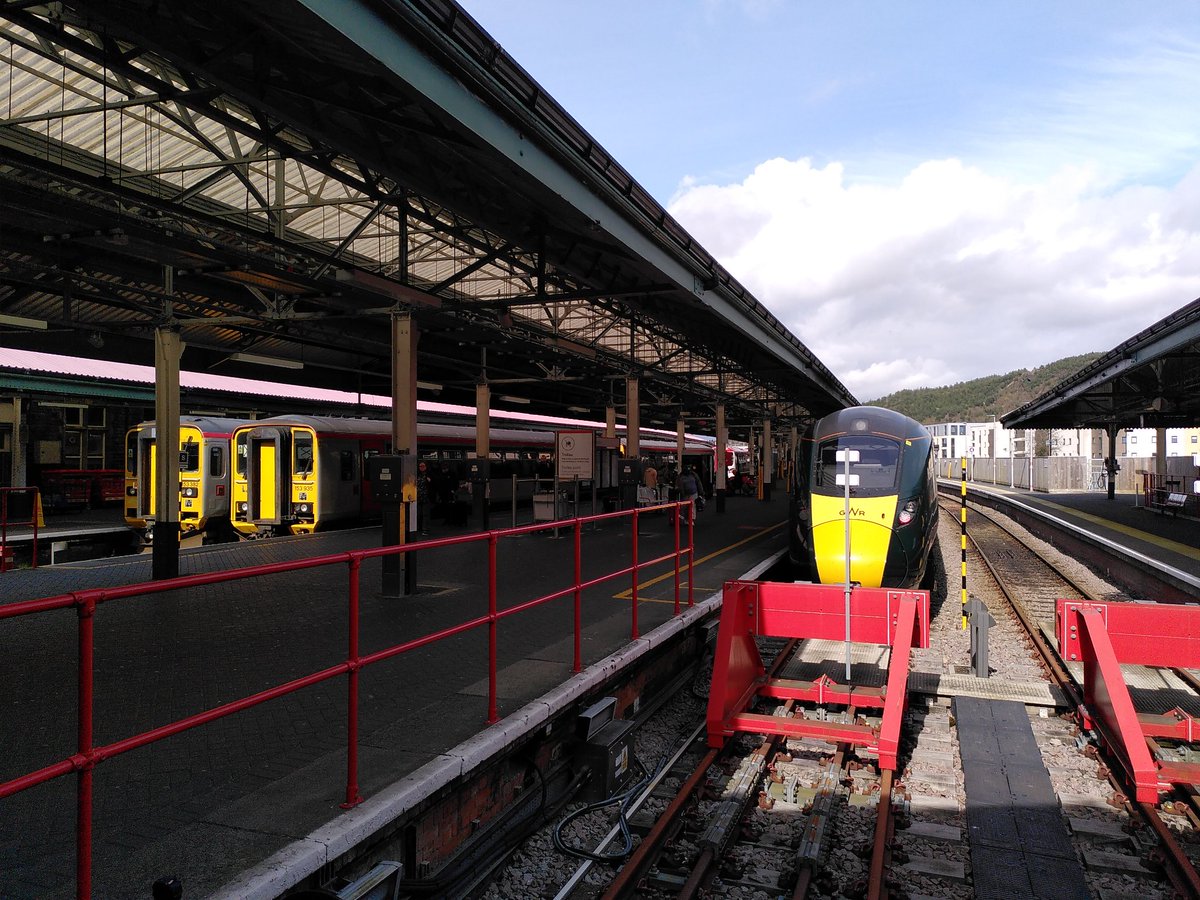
(206, 424)
(870, 420)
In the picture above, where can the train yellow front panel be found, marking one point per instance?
(871, 521)
(265, 470)
(151, 508)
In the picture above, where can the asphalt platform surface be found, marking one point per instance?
(216, 800)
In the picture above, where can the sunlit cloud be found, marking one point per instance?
(950, 273)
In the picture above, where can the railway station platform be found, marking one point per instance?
(1170, 539)
(210, 803)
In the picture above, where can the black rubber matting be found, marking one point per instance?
(1020, 847)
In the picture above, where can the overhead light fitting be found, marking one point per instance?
(23, 322)
(428, 386)
(515, 399)
(96, 339)
(267, 361)
(579, 409)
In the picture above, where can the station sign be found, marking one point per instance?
(574, 453)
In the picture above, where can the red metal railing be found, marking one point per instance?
(88, 602)
(5, 521)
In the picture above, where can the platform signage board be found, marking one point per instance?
(575, 451)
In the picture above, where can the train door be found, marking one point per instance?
(145, 469)
(268, 475)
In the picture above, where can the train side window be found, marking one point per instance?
(302, 451)
(216, 461)
(189, 457)
(347, 469)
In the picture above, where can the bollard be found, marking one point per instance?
(981, 620)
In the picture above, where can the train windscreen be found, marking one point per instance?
(877, 468)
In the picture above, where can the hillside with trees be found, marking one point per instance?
(981, 398)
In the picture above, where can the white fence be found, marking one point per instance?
(1062, 473)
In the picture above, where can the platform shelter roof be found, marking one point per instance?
(1151, 380)
(278, 178)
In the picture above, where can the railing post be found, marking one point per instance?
(493, 717)
(676, 524)
(353, 798)
(634, 631)
(3, 531)
(83, 784)
(578, 666)
(33, 515)
(691, 552)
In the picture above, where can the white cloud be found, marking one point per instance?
(950, 273)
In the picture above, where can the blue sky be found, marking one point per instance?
(924, 192)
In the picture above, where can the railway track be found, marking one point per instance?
(1031, 581)
(808, 819)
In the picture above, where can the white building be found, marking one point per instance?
(991, 440)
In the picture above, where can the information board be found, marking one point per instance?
(575, 451)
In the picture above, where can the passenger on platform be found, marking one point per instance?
(650, 478)
(687, 486)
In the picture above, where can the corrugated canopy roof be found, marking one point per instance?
(1151, 380)
(280, 177)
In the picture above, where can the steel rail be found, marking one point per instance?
(1180, 868)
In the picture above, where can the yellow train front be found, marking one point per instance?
(892, 505)
(204, 470)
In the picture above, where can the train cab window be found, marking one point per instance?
(216, 461)
(302, 453)
(347, 467)
(131, 453)
(189, 456)
(240, 453)
(877, 466)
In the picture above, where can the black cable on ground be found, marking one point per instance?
(624, 799)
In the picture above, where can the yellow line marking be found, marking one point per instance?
(642, 585)
(1165, 543)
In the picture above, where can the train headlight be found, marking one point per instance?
(302, 509)
(243, 506)
(907, 512)
(131, 491)
(190, 492)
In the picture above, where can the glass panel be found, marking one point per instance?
(347, 459)
(241, 453)
(302, 452)
(131, 454)
(877, 466)
(189, 457)
(216, 461)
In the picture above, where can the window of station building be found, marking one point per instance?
(1133, 439)
(1174, 439)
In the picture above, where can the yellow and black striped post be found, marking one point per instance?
(964, 543)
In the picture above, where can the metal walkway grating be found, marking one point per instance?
(1020, 847)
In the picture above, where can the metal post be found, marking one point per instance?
(578, 664)
(514, 501)
(846, 457)
(963, 539)
(353, 798)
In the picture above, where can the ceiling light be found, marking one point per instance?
(428, 386)
(515, 399)
(22, 322)
(579, 409)
(267, 361)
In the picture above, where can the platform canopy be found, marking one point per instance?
(1151, 380)
(278, 178)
